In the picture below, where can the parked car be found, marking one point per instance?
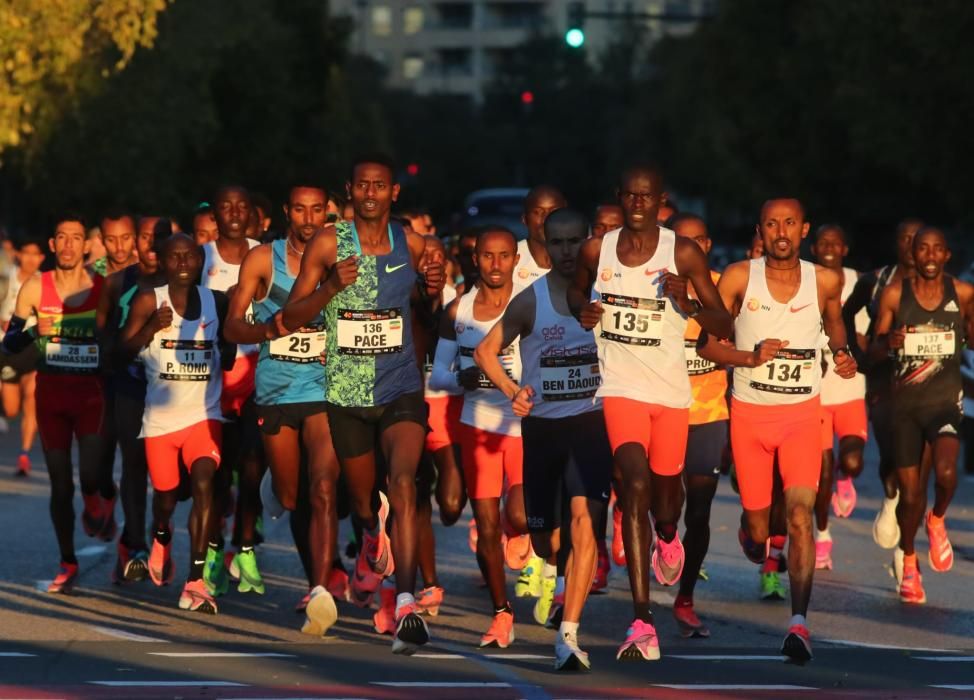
(496, 207)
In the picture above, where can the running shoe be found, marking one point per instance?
(320, 613)
(384, 619)
(771, 586)
(618, 547)
(472, 536)
(756, 552)
(556, 613)
(302, 604)
(844, 498)
(411, 631)
(688, 623)
(338, 583)
(542, 606)
(641, 643)
(798, 644)
(823, 551)
(667, 560)
(379, 549)
(911, 588)
(161, 567)
(941, 555)
(197, 598)
(898, 556)
(602, 568)
(703, 574)
(501, 631)
(886, 530)
(215, 573)
(268, 498)
(517, 551)
(568, 657)
(66, 577)
(365, 582)
(109, 526)
(127, 566)
(250, 578)
(23, 465)
(92, 518)
(429, 601)
(529, 582)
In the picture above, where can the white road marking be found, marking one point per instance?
(517, 657)
(415, 684)
(168, 684)
(128, 636)
(730, 686)
(15, 653)
(439, 656)
(948, 659)
(91, 550)
(897, 647)
(42, 585)
(221, 654)
(954, 687)
(725, 657)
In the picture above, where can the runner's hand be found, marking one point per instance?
(161, 318)
(766, 351)
(845, 364)
(432, 267)
(896, 338)
(590, 315)
(677, 288)
(274, 328)
(522, 403)
(343, 273)
(469, 378)
(45, 326)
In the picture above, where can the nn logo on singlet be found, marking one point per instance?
(753, 304)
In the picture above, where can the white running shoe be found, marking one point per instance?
(568, 657)
(886, 531)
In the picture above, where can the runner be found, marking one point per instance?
(177, 331)
(70, 400)
(290, 393)
(241, 449)
(490, 433)
(781, 303)
(19, 371)
(608, 217)
(204, 224)
(707, 439)
(567, 458)
(118, 236)
(640, 275)
(128, 387)
(363, 275)
(533, 256)
(879, 374)
(921, 321)
(843, 407)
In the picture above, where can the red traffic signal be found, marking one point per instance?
(412, 169)
(527, 97)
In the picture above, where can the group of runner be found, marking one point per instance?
(358, 368)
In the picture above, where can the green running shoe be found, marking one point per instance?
(542, 608)
(215, 572)
(250, 578)
(529, 582)
(771, 586)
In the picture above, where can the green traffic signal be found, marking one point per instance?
(575, 37)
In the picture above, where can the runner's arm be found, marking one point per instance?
(237, 329)
(691, 264)
(857, 301)
(517, 320)
(885, 337)
(228, 350)
(579, 293)
(18, 337)
(141, 325)
(318, 281)
(428, 257)
(830, 284)
(444, 376)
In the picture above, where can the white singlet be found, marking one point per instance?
(220, 275)
(527, 271)
(795, 374)
(9, 303)
(835, 389)
(560, 361)
(486, 408)
(182, 370)
(640, 337)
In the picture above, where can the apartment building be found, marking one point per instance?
(457, 46)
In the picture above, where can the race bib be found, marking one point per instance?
(929, 343)
(569, 378)
(696, 365)
(632, 320)
(506, 358)
(185, 360)
(790, 372)
(71, 354)
(369, 332)
(302, 346)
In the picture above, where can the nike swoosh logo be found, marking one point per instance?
(390, 270)
(795, 311)
(653, 272)
(208, 324)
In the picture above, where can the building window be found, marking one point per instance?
(412, 20)
(412, 67)
(381, 20)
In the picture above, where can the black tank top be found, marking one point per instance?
(927, 368)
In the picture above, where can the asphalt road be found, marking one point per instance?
(132, 641)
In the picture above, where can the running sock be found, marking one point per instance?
(910, 560)
(216, 545)
(798, 620)
(244, 549)
(560, 585)
(506, 607)
(402, 600)
(162, 536)
(549, 570)
(683, 601)
(568, 628)
(823, 535)
(196, 567)
(666, 531)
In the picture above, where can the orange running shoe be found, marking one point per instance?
(501, 631)
(911, 589)
(941, 554)
(517, 551)
(384, 619)
(64, 581)
(429, 600)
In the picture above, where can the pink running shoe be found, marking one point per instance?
(641, 643)
(823, 554)
(472, 535)
(668, 560)
(601, 580)
(844, 498)
(429, 600)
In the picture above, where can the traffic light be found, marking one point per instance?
(575, 33)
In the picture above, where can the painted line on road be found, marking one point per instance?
(725, 657)
(948, 659)
(169, 684)
(445, 684)
(492, 657)
(222, 654)
(91, 550)
(954, 687)
(730, 686)
(128, 636)
(895, 647)
(439, 656)
(16, 654)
